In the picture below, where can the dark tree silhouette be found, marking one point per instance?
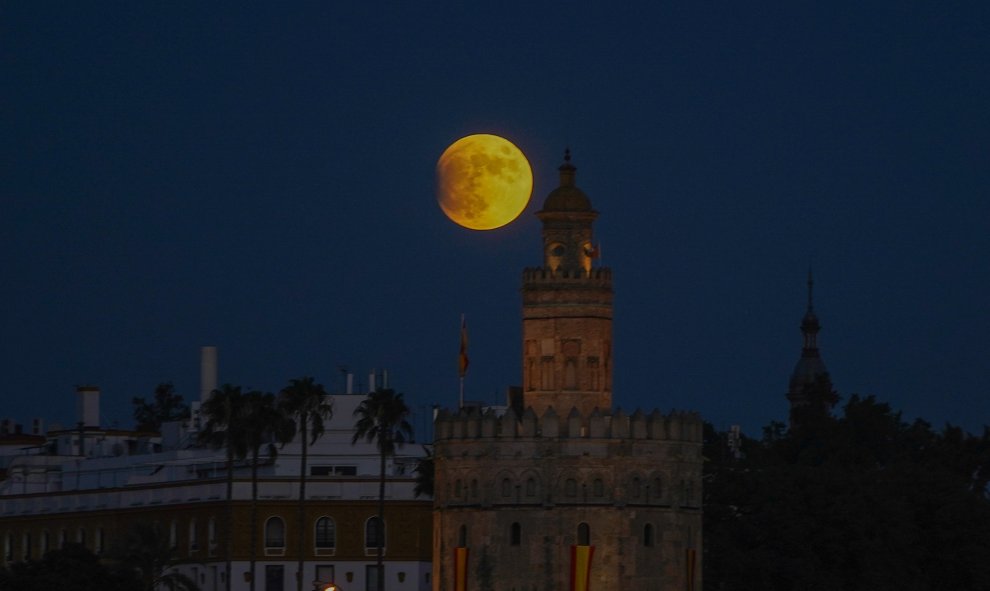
(224, 428)
(165, 406)
(382, 420)
(308, 403)
(855, 502)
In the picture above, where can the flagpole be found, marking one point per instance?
(462, 361)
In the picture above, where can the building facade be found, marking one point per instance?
(560, 491)
(92, 486)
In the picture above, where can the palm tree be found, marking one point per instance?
(264, 426)
(148, 551)
(225, 428)
(382, 420)
(305, 401)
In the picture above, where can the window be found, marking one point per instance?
(324, 573)
(530, 487)
(462, 536)
(81, 537)
(474, 488)
(211, 534)
(506, 487)
(45, 538)
(274, 536)
(274, 577)
(598, 487)
(584, 534)
(374, 533)
(371, 574)
(515, 534)
(546, 373)
(648, 535)
(173, 535)
(98, 541)
(570, 487)
(635, 487)
(326, 535)
(458, 489)
(26, 546)
(193, 536)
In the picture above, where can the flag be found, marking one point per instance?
(462, 359)
(581, 567)
(460, 569)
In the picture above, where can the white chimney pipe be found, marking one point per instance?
(371, 381)
(88, 405)
(350, 383)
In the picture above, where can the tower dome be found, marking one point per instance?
(567, 197)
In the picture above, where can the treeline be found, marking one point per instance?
(862, 500)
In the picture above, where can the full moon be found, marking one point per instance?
(483, 182)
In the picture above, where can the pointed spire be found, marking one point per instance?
(811, 290)
(567, 170)
(809, 324)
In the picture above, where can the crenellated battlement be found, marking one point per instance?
(472, 425)
(598, 275)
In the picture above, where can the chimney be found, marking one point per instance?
(207, 372)
(350, 383)
(371, 381)
(88, 405)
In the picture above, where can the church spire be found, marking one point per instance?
(810, 385)
(809, 324)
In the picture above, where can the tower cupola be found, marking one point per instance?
(567, 217)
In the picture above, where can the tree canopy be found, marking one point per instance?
(165, 406)
(863, 500)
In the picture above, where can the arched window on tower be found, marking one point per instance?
(570, 373)
(530, 487)
(506, 487)
(594, 377)
(515, 534)
(584, 534)
(570, 487)
(546, 373)
(648, 535)
(462, 536)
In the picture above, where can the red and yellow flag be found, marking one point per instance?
(691, 562)
(581, 567)
(462, 359)
(460, 569)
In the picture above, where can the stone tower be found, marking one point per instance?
(567, 493)
(567, 309)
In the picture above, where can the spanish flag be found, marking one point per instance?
(462, 359)
(581, 567)
(460, 569)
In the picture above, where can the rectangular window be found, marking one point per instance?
(324, 573)
(274, 577)
(371, 577)
(320, 470)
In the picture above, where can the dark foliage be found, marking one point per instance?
(72, 568)
(165, 406)
(860, 501)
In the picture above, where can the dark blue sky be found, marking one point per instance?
(261, 178)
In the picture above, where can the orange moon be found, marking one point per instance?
(483, 182)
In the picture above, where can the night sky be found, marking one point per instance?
(261, 178)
